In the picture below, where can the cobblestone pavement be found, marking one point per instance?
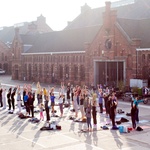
(21, 134)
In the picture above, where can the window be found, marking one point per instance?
(75, 72)
(82, 72)
(148, 57)
(143, 58)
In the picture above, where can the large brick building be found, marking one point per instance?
(103, 45)
(7, 34)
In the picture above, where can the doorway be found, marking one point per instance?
(109, 73)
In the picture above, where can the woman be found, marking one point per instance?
(88, 117)
(47, 109)
(60, 101)
(81, 99)
(113, 107)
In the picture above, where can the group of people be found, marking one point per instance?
(82, 99)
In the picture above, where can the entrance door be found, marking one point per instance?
(109, 73)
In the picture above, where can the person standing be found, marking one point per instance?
(52, 98)
(19, 102)
(133, 116)
(81, 105)
(26, 102)
(9, 98)
(47, 109)
(100, 100)
(4, 98)
(60, 101)
(31, 99)
(13, 98)
(94, 112)
(136, 102)
(41, 106)
(1, 100)
(68, 94)
(88, 117)
(113, 107)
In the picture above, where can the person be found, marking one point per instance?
(75, 103)
(38, 91)
(4, 98)
(100, 100)
(81, 99)
(68, 94)
(19, 102)
(44, 92)
(41, 106)
(136, 102)
(13, 98)
(47, 108)
(72, 93)
(133, 115)
(31, 99)
(26, 102)
(52, 98)
(145, 92)
(60, 101)
(113, 107)
(94, 112)
(1, 99)
(9, 98)
(105, 102)
(88, 117)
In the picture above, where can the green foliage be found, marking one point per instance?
(121, 86)
(135, 89)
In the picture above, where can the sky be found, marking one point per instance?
(57, 12)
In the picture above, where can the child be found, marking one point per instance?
(88, 117)
(41, 111)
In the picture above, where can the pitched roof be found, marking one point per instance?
(140, 9)
(7, 33)
(137, 29)
(60, 41)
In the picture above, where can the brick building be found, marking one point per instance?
(104, 45)
(7, 34)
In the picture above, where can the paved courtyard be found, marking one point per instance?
(21, 134)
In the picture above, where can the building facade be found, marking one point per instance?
(107, 52)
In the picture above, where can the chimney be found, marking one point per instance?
(85, 8)
(107, 17)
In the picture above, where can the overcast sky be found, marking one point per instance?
(57, 12)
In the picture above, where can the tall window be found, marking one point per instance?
(60, 71)
(66, 72)
(143, 58)
(82, 72)
(75, 72)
